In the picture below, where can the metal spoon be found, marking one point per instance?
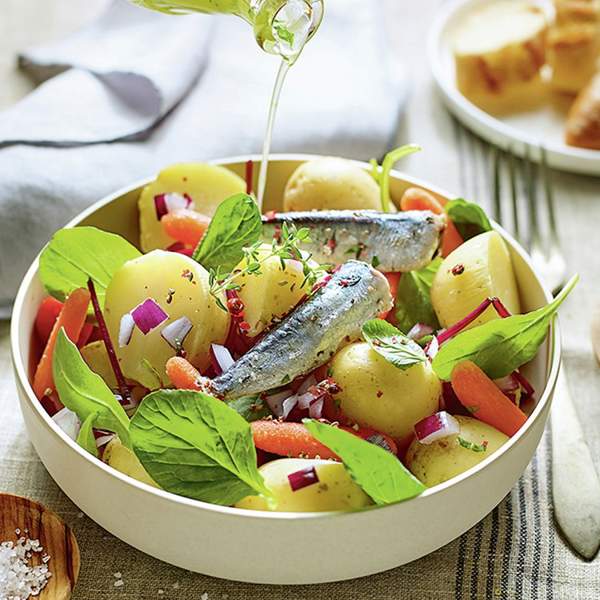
(36, 522)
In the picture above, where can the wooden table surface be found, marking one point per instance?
(452, 159)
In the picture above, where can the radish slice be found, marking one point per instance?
(176, 332)
(275, 402)
(68, 421)
(436, 427)
(303, 478)
(222, 357)
(126, 329)
(148, 315)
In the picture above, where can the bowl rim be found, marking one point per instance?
(21, 372)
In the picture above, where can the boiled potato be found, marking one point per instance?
(271, 294)
(335, 489)
(330, 184)
(122, 459)
(180, 286)
(207, 185)
(446, 458)
(479, 268)
(96, 358)
(378, 395)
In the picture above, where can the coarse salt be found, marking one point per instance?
(18, 578)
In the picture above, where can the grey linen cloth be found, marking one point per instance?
(138, 90)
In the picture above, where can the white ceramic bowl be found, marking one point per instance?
(278, 548)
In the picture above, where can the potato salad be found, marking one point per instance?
(352, 349)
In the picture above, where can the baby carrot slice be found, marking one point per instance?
(46, 317)
(185, 226)
(415, 198)
(183, 375)
(288, 439)
(484, 400)
(71, 317)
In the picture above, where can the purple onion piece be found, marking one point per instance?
(160, 206)
(148, 315)
(176, 332)
(126, 329)
(303, 478)
(436, 427)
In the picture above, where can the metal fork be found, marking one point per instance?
(543, 246)
(575, 482)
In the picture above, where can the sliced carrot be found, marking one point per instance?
(46, 317)
(451, 239)
(288, 439)
(484, 400)
(418, 199)
(183, 375)
(393, 280)
(185, 226)
(71, 317)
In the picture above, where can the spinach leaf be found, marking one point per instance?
(86, 438)
(413, 299)
(236, 225)
(470, 219)
(84, 392)
(75, 255)
(252, 408)
(392, 344)
(194, 445)
(500, 346)
(378, 472)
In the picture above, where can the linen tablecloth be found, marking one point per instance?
(515, 552)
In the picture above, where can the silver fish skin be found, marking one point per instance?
(310, 335)
(402, 241)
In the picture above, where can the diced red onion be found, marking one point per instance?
(305, 400)
(68, 421)
(303, 478)
(419, 331)
(148, 315)
(432, 348)
(436, 427)
(315, 410)
(222, 357)
(275, 402)
(166, 203)
(104, 439)
(307, 384)
(176, 332)
(507, 384)
(288, 405)
(524, 383)
(126, 329)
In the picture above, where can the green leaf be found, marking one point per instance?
(378, 472)
(194, 445)
(75, 255)
(84, 392)
(392, 344)
(252, 408)
(500, 346)
(85, 437)
(469, 218)
(413, 299)
(391, 158)
(236, 225)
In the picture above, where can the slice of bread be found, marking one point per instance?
(498, 53)
(583, 121)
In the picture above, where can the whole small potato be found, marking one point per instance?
(179, 285)
(376, 394)
(335, 489)
(271, 294)
(446, 458)
(476, 270)
(330, 183)
(124, 460)
(207, 186)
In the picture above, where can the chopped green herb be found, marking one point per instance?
(471, 445)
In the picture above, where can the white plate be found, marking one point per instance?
(544, 126)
